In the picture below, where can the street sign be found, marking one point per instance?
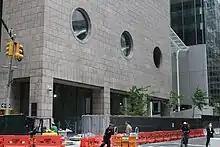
(3, 105)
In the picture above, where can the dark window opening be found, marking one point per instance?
(33, 109)
(157, 55)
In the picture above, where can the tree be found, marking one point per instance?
(138, 101)
(199, 100)
(173, 101)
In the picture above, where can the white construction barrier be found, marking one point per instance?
(215, 142)
(217, 131)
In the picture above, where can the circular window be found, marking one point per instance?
(81, 24)
(157, 55)
(126, 45)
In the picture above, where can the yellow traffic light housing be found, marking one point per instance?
(10, 48)
(19, 52)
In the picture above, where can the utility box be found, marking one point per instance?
(13, 125)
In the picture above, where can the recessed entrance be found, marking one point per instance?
(69, 104)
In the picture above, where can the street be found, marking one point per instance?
(194, 142)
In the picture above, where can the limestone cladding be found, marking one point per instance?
(51, 50)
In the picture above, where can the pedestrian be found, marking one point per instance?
(210, 133)
(128, 128)
(107, 136)
(185, 134)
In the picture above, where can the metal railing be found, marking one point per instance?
(176, 42)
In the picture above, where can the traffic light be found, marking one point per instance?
(10, 48)
(19, 52)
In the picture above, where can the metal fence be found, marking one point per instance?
(95, 124)
(72, 123)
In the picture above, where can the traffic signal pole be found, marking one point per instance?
(8, 90)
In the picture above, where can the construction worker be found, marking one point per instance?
(54, 128)
(107, 136)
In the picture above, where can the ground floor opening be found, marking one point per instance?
(69, 104)
(66, 101)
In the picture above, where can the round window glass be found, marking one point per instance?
(157, 56)
(81, 24)
(126, 44)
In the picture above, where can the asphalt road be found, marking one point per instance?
(194, 142)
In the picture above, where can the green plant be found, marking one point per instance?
(137, 101)
(174, 97)
(199, 100)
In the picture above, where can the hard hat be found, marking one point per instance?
(184, 123)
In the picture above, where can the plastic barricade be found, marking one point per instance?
(98, 140)
(160, 136)
(48, 141)
(1, 141)
(150, 137)
(179, 136)
(192, 133)
(167, 136)
(197, 133)
(125, 141)
(116, 141)
(201, 132)
(91, 142)
(132, 141)
(84, 142)
(49, 134)
(141, 138)
(174, 135)
(16, 141)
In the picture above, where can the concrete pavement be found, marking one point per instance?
(194, 142)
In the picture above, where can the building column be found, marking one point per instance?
(165, 110)
(125, 105)
(42, 95)
(101, 101)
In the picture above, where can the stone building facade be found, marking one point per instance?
(54, 53)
